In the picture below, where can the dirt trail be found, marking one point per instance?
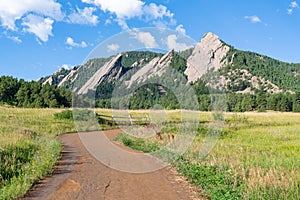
(79, 175)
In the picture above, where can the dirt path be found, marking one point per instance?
(79, 175)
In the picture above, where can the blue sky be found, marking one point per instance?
(39, 36)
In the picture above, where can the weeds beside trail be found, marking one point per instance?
(256, 157)
(29, 147)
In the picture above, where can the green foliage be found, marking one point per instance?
(285, 75)
(32, 94)
(200, 87)
(66, 114)
(83, 114)
(56, 77)
(215, 182)
(131, 57)
(12, 159)
(178, 62)
(137, 143)
(8, 88)
(186, 53)
(296, 102)
(28, 149)
(149, 95)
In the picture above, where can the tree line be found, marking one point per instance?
(32, 94)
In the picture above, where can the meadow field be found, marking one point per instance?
(257, 155)
(29, 147)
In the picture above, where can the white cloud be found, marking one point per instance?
(253, 19)
(293, 5)
(173, 44)
(112, 47)
(122, 9)
(145, 37)
(180, 29)
(83, 16)
(12, 10)
(41, 27)
(15, 39)
(70, 41)
(122, 23)
(157, 11)
(108, 21)
(128, 9)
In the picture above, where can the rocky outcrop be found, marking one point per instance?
(208, 54)
(70, 77)
(48, 81)
(100, 75)
(156, 67)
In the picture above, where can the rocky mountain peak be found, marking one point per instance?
(208, 54)
(101, 75)
(156, 67)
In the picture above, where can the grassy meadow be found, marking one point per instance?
(29, 147)
(257, 156)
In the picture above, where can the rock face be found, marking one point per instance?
(208, 54)
(49, 81)
(101, 75)
(68, 77)
(156, 67)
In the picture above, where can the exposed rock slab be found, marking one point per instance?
(99, 76)
(156, 67)
(208, 54)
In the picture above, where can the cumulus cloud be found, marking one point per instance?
(122, 9)
(157, 11)
(13, 10)
(83, 16)
(293, 5)
(40, 26)
(128, 9)
(145, 38)
(112, 47)
(253, 19)
(174, 44)
(70, 41)
(180, 29)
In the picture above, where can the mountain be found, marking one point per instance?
(239, 71)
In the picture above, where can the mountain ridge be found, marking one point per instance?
(241, 71)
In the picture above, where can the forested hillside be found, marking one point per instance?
(254, 71)
(251, 81)
(32, 94)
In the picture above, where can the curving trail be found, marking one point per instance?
(79, 175)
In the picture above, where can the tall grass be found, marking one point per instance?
(257, 156)
(29, 147)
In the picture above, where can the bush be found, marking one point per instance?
(66, 114)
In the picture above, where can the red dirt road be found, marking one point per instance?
(79, 175)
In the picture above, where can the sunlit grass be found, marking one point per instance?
(261, 150)
(28, 147)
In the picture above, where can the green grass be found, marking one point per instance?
(29, 147)
(257, 156)
(137, 144)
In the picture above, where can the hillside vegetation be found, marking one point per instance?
(32, 94)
